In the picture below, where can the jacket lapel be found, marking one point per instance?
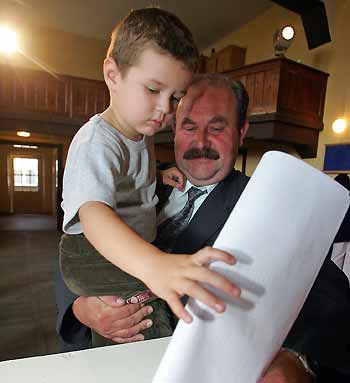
(211, 216)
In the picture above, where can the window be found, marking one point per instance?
(26, 174)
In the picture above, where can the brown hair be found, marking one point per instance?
(155, 28)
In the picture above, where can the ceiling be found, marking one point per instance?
(208, 20)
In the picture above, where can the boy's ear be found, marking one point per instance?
(111, 73)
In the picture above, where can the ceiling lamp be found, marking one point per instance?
(282, 38)
(8, 40)
(23, 134)
(339, 125)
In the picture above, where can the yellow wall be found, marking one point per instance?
(332, 58)
(60, 52)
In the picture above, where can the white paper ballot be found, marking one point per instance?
(280, 231)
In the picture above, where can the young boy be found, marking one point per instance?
(109, 182)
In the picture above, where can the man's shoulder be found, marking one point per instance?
(235, 179)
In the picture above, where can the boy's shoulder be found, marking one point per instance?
(97, 130)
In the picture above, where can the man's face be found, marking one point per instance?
(207, 137)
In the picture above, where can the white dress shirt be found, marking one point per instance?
(177, 200)
(341, 256)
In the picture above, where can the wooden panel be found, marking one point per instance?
(286, 102)
(261, 83)
(23, 90)
(202, 64)
(6, 87)
(229, 58)
(30, 95)
(211, 64)
(88, 98)
(302, 94)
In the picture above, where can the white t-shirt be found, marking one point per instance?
(103, 165)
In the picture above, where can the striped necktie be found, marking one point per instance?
(171, 228)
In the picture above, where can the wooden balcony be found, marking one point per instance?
(286, 102)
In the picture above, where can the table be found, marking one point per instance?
(128, 363)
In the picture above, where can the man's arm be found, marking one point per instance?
(69, 329)
(321, 330)
(111, 319)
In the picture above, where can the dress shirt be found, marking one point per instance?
(178, 199)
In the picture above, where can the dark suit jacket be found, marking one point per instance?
(320, 330)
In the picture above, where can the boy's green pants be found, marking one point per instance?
(87, 273)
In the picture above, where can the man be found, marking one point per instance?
(210, 125)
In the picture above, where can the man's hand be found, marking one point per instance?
(286, 368)
(111, 318)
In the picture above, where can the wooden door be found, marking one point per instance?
(26, 183)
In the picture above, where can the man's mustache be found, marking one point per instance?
(193, 153)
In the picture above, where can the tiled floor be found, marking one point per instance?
(28, 254)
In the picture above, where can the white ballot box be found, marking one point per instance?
(129, 363)
(280, 232)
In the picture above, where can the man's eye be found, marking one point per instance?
(189, 127)
(216, 128)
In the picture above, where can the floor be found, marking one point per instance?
(28, 253)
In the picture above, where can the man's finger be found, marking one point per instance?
(132, 331)
(136, 338)
(112, 300)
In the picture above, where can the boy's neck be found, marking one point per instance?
(109, 116)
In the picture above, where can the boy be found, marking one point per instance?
(109, 182)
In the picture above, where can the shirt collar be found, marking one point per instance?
(207, 188)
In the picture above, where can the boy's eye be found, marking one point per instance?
(152, 90)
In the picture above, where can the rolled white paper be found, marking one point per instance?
(280, 231)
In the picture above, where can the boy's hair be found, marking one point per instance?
(155, 28)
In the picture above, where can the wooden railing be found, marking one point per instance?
(38, 96)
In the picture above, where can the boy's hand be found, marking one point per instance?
(172, 276)
(173, 177)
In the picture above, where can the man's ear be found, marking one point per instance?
(111, 73)
(243, 131)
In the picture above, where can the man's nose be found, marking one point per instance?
(202, 138)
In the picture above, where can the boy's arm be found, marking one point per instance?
(173, 177)
(168, 276)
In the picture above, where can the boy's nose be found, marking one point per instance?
(164, 105)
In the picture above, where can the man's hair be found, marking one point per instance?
(155, 28)
(218, 80)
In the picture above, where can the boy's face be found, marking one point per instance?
(146, 95)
